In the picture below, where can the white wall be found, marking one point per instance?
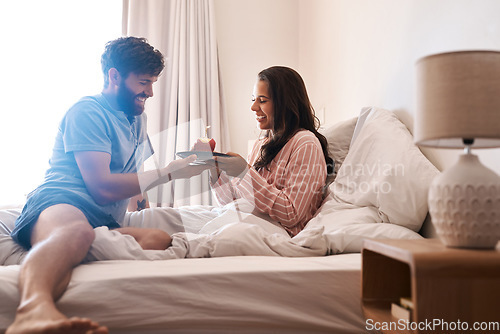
(351, 53)
(252, 35)
(355, 53)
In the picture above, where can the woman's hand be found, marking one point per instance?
(234, 165)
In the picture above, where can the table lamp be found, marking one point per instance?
(458, 106)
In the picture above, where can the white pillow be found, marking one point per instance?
(347, 225)
(349, 238)
(339, 139)
(363, 116)
(8, 220)
(385, 170)
(10, 252)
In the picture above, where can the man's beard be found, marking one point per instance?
(127, 101)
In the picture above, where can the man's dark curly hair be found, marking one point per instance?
(131, 54)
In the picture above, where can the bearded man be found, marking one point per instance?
(100, 146)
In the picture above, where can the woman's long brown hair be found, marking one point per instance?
(292, 112)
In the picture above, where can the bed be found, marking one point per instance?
(243, 275)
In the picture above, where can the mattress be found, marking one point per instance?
(252, 294)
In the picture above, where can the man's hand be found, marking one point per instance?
(106, 188)
(182, 168)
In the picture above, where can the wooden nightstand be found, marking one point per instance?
(460, 287)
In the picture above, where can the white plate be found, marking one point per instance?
(201, 155)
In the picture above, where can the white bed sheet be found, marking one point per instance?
(253, 294)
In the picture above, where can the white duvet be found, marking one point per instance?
(336, 229)
(226, 233)
(232, 237)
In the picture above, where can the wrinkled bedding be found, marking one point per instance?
(234, 239)
(229, 233)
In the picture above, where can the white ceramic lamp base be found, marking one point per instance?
(464, 203)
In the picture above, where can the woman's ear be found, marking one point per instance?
(114, 76)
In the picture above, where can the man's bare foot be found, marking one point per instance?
(49, 320)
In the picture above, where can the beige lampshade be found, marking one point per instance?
(458, 96)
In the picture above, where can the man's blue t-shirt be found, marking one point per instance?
(93, 125)
(90, 125)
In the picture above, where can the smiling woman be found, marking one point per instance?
(49, 59)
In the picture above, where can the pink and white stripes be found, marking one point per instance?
(289, 190)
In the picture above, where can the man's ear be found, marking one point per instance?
(114, 76)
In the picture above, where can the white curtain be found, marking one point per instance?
(188, 95)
